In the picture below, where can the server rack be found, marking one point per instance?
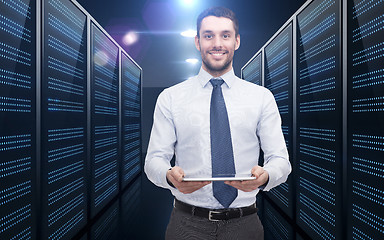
(338, 131)
(63, 119)
(18, 156)
(278, 79)
(365, 109)
(46, 96)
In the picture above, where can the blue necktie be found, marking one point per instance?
(221, 146)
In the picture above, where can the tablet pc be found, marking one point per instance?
(233, 178)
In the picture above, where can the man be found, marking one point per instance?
(185, 126)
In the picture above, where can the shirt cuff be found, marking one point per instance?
(169, 182)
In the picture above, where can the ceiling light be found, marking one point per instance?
(192, 60)
(188, 33)
(130, 38)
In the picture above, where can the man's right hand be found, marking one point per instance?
(175, 176)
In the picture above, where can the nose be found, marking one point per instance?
(218, 42)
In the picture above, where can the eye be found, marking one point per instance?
(226, 36)
(208, 36)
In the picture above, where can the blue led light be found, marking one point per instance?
(283, 68)
(315, 226)
(276, 45)
(365, 8)
(112, 164)
(65, 68)
(15, 192)
(15, 218)
(318, 67)
(105, 195)
(63, 86)
(318, 48)
(18, 7)
(317, 191)
(369, 28)
(318, 209)
(131, 154)
(105, 155)
(65, 29)
(66, 227)
(65, 191)
(281, 196)
(11, 27)
(67, 50)
(111, 178)
(318, 106)
(320, 28)
(132, 173)
(70, 16)
(68, 170)
(105, 142)
(368, 218)
(316, 12)
(359, 235)
(65, 209)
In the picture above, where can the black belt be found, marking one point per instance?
(215, 214)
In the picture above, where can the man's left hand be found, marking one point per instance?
(261, 175)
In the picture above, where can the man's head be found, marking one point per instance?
(217, 39)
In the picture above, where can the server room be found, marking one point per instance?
(79, 81)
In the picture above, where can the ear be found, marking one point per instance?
(197, 43)
(237, 44)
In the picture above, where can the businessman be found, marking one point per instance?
(215, 125)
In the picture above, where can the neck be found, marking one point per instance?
(214, 73)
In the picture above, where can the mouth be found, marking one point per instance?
(217, 54)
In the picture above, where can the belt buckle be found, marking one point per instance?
(210, 216)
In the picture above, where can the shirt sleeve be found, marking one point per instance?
(161, 144)
(276, 160)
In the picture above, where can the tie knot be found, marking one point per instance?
(216, 82)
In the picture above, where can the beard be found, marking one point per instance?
(216, 67)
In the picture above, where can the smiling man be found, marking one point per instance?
(215, 125)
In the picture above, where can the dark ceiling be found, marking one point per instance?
(161, 50)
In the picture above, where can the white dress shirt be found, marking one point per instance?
(181, 126)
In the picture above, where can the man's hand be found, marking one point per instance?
(251, 185)
(175, 176)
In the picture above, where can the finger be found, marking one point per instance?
(257, 171)
(177, 173)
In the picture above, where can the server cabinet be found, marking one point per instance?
(319, 120)
(18, 109)
(64, 119)
(104, 119)
(131, 119)
(278, 79)
(365, 119)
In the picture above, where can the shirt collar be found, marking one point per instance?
(204, 77)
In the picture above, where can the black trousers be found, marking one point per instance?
(183, 226)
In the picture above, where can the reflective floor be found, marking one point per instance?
(141, 213)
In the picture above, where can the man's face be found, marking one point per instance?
(217, 44)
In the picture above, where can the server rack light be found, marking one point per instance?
(365, 101)
(131, 119)
(278, 79)
(18, 119)
(319, 118)
(64, 119)
(252, 71)
(104, 119)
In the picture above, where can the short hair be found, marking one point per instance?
(218, 12)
